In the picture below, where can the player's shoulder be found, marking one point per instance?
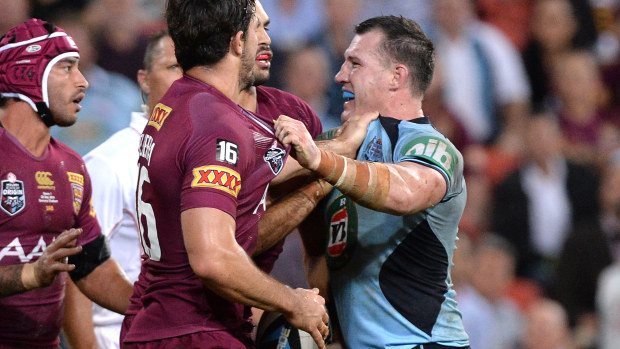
(276, 94)
(64, 151)
(275, 101)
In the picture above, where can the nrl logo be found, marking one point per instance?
(275, 158)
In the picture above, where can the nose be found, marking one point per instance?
(264, 38)
(81, 80)
(342, 76)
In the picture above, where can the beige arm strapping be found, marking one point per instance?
(367, 183)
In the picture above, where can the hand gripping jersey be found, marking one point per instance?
(390, 275)
(41, 197)
(271, 103)
(199, 149)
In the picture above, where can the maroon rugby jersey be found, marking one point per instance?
(199, 149)
(41, 197)
(271, 103)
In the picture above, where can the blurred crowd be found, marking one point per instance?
(528, 90)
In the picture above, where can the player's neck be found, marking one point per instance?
(25, 125)
(247, 99)
(403, 108)
(222, 76)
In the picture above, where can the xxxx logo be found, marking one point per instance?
(159, 115)
(217, 177)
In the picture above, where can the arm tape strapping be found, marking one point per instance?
(366, 182)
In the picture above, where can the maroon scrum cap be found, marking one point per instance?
(27, 54)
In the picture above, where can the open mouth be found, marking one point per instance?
(264, 58)
(79, 98)
(348, 96)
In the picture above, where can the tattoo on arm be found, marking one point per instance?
(11, 280)
(286, 214)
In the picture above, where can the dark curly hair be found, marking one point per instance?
(202, 29)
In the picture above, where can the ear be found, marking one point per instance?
(236, 43)
(400, 77)
(143, 81)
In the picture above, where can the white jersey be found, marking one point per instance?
(114, 173)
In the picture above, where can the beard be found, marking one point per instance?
(246, 76)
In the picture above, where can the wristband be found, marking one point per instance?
(29, 276)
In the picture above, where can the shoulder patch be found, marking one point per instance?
(77, 190)
(432, 149)
(218, 177)
(159, 115)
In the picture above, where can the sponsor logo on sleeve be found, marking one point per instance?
(159, 115)
(217, 177)
(13, 195)
(434, 150)
(342, 220)
(77, 190)
(44, 181)
(275, 158)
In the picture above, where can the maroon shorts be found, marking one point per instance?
(199, 340)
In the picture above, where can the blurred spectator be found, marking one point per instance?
(109, 101)
(341, 15)
(584, 255)
(509, 16)
(293, 24)
(48, 9)
(554, 28)
(536, 206)
(121, 28)
(461, 262)
(483, 75)
(420, 11)
(610, 204)
(13, 13)
(443, 119)
(306, 75)
(547, 327)
(590, 134)
(608, 302)
(491, 319)
(476, 217)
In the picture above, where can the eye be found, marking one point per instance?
(174, 67)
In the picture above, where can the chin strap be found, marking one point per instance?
(46, 114)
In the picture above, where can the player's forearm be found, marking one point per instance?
(232, 275)
(108, 286)
(317, 273)
(11, 280)
(78, 319)
(391, 188)
(283, 216)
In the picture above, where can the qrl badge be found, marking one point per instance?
(77, 189)
(275, 158)
(342, 220)
(13, 195)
